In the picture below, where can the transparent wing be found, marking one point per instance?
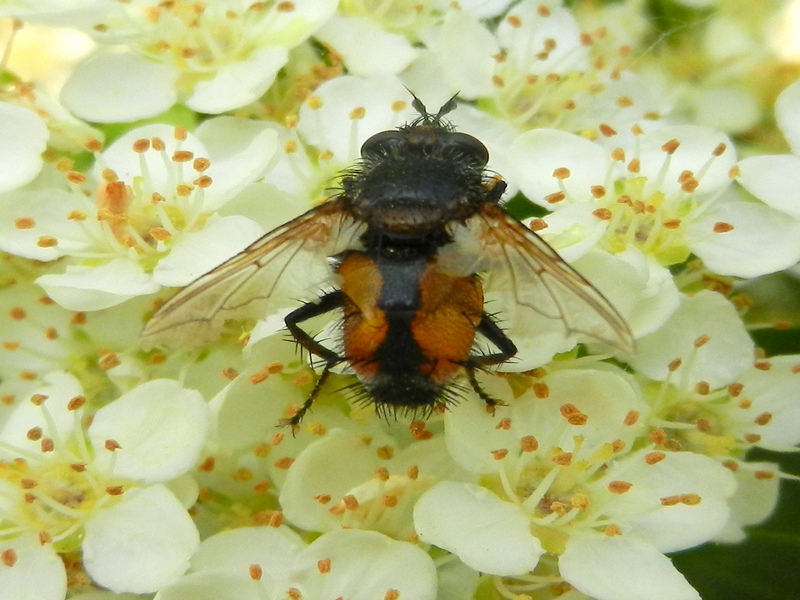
(274, 271)
(534, 292)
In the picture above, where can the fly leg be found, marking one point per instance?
(327, 303)
(506, 349)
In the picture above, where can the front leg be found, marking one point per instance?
(328, 302)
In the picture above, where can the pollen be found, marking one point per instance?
(763, 419)
(702, 388)
(514, 21)
(563, 458)
(357, 113)
(17, 313)
(561, 173)
(504, 423)
(573, 415)
(412, 472)
(555, 197)
(540, 390)
(762, 365)
(350, 502)
(529, 443)
(674, 365)
(8, 557)
(671, 146)
(47, 241)
(284, 463)
(604, 214)
(619, 487)
(385, 452)
(382, 473)
(612, 530)
(634, 166)
(322, 498)
(598, 191)
(255, 572)
(140, 146)
(111, 445)
(652, 458)
(735, 389)
(25, 223)
(324, 566)
(399, 105)
(391, 595)
(207, 466)
(77, 216)
(314, 102)
(499, 454)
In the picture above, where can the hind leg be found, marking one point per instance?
(506, 350)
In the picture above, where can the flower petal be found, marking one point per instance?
(113, 88)
(724, 354)
(37, 571)
(160, 427)
(219, 584)
(140, 544)
(787, 109)
(95, 288)
(238, 83)
(487, 533)
(349, 36)
(25, 136)
(196, 253)
(772, 178)
(622, 568)
(739, 249)
(274, 549)
(365, 565)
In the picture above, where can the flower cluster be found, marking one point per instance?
(189, 129)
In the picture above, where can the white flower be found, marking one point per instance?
(558, 479)
(346, 479)
(775, 178)
(667, 195)
(101, 489)
(153, 222)
(21, 159)
(269, 563)
(213, 60)
(537, 69)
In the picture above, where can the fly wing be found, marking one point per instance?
(534, 293)
(269, 274)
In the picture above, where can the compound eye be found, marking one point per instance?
(381, 142)
(469, 146)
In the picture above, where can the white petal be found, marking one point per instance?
(25, 136)
(457, 581)
(775, 393)
(755, 500)
(158, 172)
(59, 388)
(240, 151)
(331, 126)
(113, 88)
(742, 251)
(773, 180)
(641, 290)
(487, 533)
(239, 83)
(727, 353)
(539, 152)
(346, 459)
(194, 254)
(48, 209)
(621, 568)
(219, 584)
(37, 573)
(695, 153)
(730, 108)
(95, 288)
(465, 51)
(160, 427)
(672, 527)
(535, 31)
(274, 549)
(365, 565)
(140, 544)
(350, 36)
(787, 113)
